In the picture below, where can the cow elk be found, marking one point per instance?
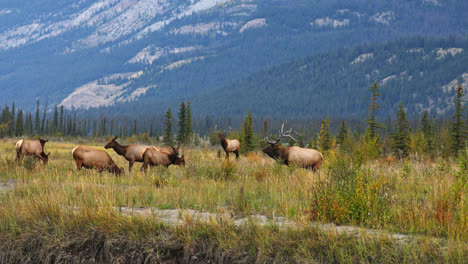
(132, 153)
(153, 157)
(229, 145)
(306, 158)
(34, 148)
(87, 157)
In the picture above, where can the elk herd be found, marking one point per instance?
(89, 158)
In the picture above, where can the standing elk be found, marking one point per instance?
(229, 145)
(89, 158)
(154, 157)
(34, 148)
(132, 153)
(306, 158)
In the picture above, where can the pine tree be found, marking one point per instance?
(28, 126)
(342, 134)
(43, 128)
(324, 138)
(134, 129)
(61, 120)
(13, 120)
(181, 133)
(372, 108)
(458, 130)
(401, 137)
(37, 120)
(167, 136)
(19, 124)
(247, 133)
(55, 120)
(188, 125)
(426, 129)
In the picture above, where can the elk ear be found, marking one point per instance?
(115, 138)
(47, 140)
(48, 154)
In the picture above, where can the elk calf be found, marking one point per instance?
(89, 158)
(306, 158)
(153, 157)
(229, 145)
(34, 148)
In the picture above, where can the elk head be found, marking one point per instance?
(180, 161)
(273, 150)
(111, 143)
(45, 157)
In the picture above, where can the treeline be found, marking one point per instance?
(371, 138)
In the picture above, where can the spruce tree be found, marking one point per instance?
(372, 108)
(28, 124)
(167, 136)
(43, 128)
(181, 132)
(342, 134)
(426, 129)
(188, 125)
(61, 120)
(400, 136)
(13, 120)
(37, 120)
(247, 133)
(458, 130)
(19, 123)
(324, 138)
(55, 120)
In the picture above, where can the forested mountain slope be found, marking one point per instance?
(99, 53)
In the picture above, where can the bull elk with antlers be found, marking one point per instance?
(304, 157)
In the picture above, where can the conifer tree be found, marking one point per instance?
(324, 138)
(247, 133)
(426, 129)
(19, 124)
(342, 134)
(13, 120)
(188, 125)
(458, 130)
(55, 120)
(28, 126)
(37, 120)
(44, 119)
(372, 108)
(181, 133)
(134, 128)
(167, 136)
(61, 120)
(400, 136)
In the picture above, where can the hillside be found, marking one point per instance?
(99, 53)
(420, 72)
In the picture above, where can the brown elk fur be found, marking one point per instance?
(229, 145)
(34, 148)
(153, 157)
(132, 153)
(306, 158)
(89, 158)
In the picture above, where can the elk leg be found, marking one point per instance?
(18, 156)
(130, 165)
(79, 165)
(237, 154)
(227, 155)
(144, 167)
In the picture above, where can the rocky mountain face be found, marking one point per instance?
(86, 54)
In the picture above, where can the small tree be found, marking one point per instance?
(247, 133)
(372, 108)
(167, 136)
(181, 133)
(458, 132)
(401, 137)
(342, 134)
(19, 123)
(37, 120)
(426, 129)
(325, 140)
(188, 123)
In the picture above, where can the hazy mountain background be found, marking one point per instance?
(283, 57)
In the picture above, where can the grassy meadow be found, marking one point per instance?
(55, 213)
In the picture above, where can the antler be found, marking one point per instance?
(281, 135)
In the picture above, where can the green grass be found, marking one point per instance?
(55, 205)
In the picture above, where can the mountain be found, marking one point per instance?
(129, 53)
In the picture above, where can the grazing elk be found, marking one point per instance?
(229, 145)
(95, 158)
(34, 148)
(306, 158)
(153, 157)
